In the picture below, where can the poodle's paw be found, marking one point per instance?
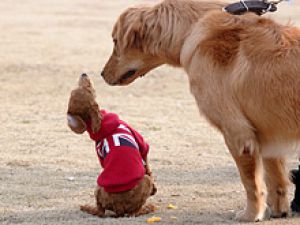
(149, 208)
(248, 216)
(146, 209)
(92, 210)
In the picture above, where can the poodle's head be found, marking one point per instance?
(83, 107)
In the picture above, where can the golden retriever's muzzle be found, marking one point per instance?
(126, 78)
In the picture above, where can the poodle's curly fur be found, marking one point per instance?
(124, 203)
(82, 107)
(244, 74)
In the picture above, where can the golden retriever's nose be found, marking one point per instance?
(102, 73)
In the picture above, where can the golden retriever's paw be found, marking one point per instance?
(279, 204)
(247, 216)
(283, 212)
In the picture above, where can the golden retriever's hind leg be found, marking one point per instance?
(251, 172)
(277, 184)
(244, 147)
(93, 210)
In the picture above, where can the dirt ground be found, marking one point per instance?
(46, 171)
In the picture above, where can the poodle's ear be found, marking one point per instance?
(76, 124)
(95, 118)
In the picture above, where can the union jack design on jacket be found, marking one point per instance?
(120, 150)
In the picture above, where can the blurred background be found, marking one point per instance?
(46, 171)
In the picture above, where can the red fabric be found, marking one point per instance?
(120, 150)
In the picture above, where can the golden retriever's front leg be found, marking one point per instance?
(251, 172)
(244, 148)
(277, 184)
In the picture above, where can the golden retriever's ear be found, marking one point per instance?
(134, 33)
(95, 118)
(76, 124)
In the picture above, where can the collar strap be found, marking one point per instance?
(257, 7)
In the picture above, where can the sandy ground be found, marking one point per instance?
(45, 46)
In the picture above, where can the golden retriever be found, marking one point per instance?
(244, 72)
(84, 115)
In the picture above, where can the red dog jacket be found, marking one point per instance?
(121, 151)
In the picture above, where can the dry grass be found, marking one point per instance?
(45, 46)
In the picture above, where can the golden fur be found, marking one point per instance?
(82, 107)
(244, 72)
(147, 32)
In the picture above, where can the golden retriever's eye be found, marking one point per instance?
(115, 49)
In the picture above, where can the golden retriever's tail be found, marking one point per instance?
(95, 211)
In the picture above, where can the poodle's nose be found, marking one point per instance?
(84, 75)
(102, 73)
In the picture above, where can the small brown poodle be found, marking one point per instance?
(126, 181)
